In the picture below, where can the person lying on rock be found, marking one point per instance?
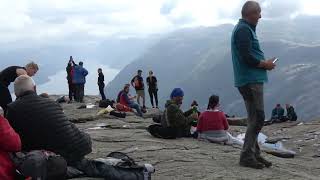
(127, 100)
(41, 124)
(212, 124)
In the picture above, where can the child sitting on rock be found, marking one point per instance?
(212, 124)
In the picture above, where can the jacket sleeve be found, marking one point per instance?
(132, 80)
(10, 140)
(244, 44)
(85, 72)
(177, 118)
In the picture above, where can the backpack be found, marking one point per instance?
(106, 103)
(116, 166)
(39, 165)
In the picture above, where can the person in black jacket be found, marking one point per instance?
(152, 83)
(70, 71)
(291, 114)
(101, 83)
(7, 76)
(41, 124)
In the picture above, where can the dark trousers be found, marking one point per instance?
(153, 93)
(101, 90)
(71, 90)
(5, 98)
(79, 92)
(253, 98)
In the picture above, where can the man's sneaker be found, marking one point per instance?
(264, 161)
(252, 163)
(148, 170)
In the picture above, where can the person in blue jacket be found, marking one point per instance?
(79, 79)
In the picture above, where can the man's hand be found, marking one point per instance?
(268, 64)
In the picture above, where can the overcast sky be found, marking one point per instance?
(47, 20)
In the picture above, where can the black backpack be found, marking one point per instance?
(106, 103)
(39, 165)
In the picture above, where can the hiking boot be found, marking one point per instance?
(264, 161)
(252, 163)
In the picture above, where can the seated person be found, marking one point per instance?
(41, 124)
(174, 123)
(127, 100)
(9, 142)
(212, 124)
(278, 114)
(291, 114)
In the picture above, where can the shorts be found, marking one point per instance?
(140, 93)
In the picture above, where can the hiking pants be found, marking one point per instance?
(5, 98)
(71, 90)
(253, 98)
(153, 93)
(79, 92)
(136, 107)
(101, 90)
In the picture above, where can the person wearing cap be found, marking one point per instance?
(8, 75)
(79, 79)
(174, 116)
(137, 83)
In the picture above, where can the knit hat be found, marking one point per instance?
(176, 92)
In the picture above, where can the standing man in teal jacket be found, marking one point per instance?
(250, 73)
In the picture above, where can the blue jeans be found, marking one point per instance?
(137, 108)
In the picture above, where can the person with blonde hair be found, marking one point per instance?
(8, 75)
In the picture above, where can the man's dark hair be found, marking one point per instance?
(139, 71)
(99, 69)
(80, 63)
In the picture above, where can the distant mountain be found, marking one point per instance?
(53, 57)
(199, 61)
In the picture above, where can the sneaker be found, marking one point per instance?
(252, 163)
(264, 161)
(148, 170)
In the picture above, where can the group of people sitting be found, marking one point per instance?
(211, 125)
(278, 114)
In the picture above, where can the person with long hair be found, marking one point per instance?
(212, 124)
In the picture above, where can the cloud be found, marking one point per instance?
(45, 21)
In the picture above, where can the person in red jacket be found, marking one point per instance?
(9, 142)
(212, 124)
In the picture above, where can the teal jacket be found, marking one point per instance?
(277, 113)
(246, 55)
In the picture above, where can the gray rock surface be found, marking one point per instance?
(187, 158)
